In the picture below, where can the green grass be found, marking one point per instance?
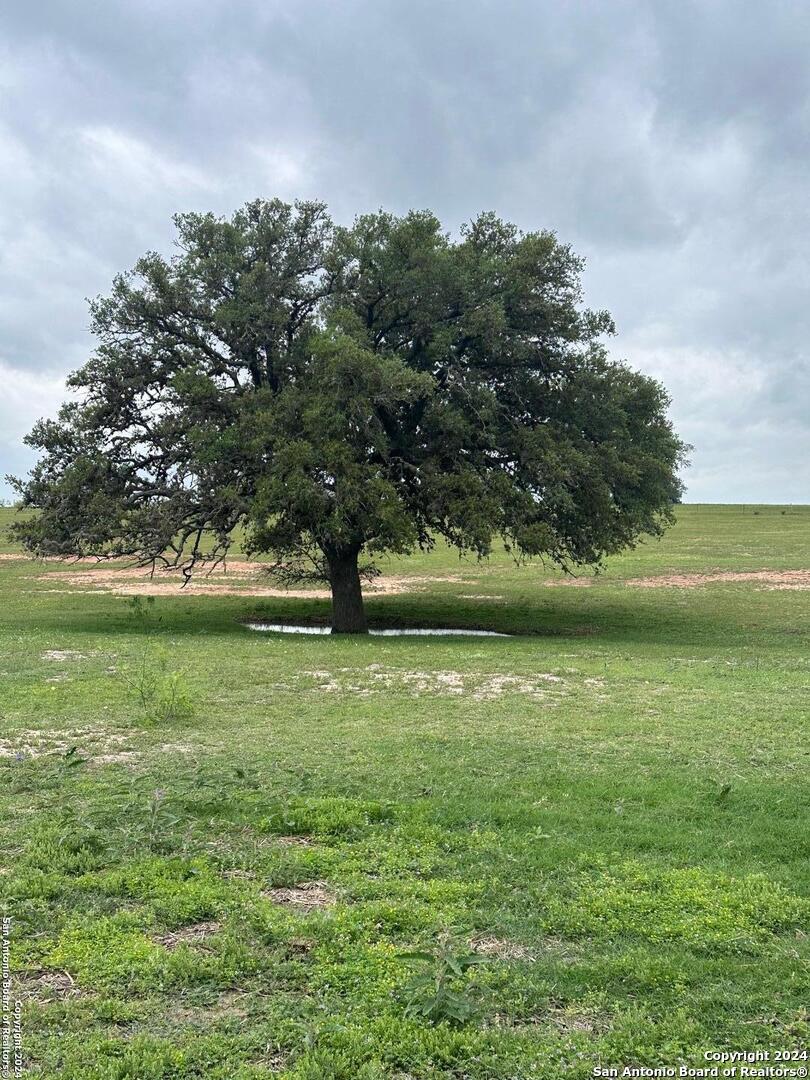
(615, 800)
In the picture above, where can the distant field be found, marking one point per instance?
(217, 845)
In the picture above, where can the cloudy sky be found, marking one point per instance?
(667, 140)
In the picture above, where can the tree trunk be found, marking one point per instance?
(348, 613)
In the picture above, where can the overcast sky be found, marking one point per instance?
(668, 141)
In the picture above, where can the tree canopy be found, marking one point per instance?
(341, 392)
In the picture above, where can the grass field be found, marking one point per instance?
(218, 845)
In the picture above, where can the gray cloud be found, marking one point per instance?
(666, 141)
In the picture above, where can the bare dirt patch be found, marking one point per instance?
(375, 679)
(306, 896)
(177, 748)
(94, 746)
(496, 685)
(391, 584)
(770, 579)
(73, 592)
(62, 655)
(22, 749)
(121, 757)
(84, 560)
(235, 578)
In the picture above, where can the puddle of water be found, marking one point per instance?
(288, 628)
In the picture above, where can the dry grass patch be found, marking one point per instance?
(300, 946)
(572, 1020)
(306, 896)
(43, 986)
(501, 948)
(551, 948)
(196, 934)
(567, 1020)
(231, 1004)
(273, 1062)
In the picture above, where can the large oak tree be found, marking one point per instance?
(344, 392)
